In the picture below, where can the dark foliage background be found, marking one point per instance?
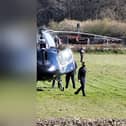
(57, 10)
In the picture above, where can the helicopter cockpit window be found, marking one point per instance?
(56, 38)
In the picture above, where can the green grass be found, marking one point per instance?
(105, 89)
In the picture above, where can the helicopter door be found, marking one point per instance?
(42, 56)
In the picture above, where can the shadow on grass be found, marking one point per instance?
(43, 88)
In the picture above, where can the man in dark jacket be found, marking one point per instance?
(81, 78)
(72, 76)
(81, 54)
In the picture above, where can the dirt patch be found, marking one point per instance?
(81, 122)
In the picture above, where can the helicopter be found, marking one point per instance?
(53, 60)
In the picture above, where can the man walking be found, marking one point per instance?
(81, 78)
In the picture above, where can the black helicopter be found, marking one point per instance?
(52, 60)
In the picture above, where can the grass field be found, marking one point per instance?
(105, 89)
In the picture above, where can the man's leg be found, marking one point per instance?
(83, 88)
(60, 85)
(67, 80)
(78, 90)
(53, 83)
(73, 80)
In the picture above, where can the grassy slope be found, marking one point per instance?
(105, 87)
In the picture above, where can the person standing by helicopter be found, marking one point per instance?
(81, 51)
(72, 76)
